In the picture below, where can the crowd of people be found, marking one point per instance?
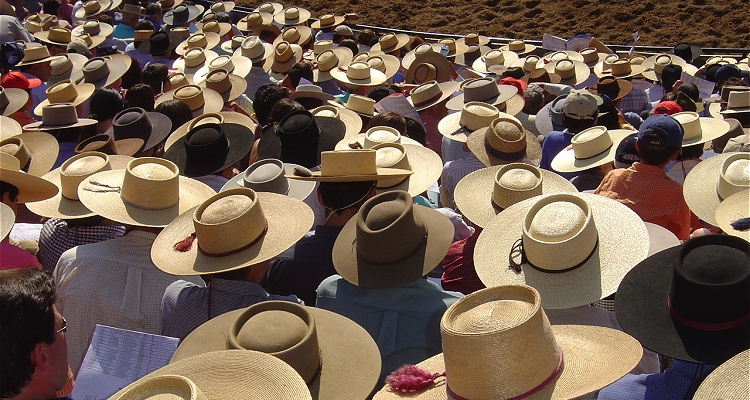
(318, 211)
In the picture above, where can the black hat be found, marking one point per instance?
(135, 122)
(686, 51)
(210, 148)
(626, 154)
(299, 138)
(160, 42)
(690, 302)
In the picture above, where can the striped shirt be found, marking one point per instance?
(454, 171)
(57, 237)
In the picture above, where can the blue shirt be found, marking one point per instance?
(679, 382)
(555, 142)
(123, 31)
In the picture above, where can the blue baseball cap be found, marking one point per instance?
(661, 130)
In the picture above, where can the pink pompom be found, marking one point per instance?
(185, 244)
(409, 378)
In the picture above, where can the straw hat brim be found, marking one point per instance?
(546, 59)
(348, 353)
(43, 36)
(239, 85)
(179, 64)
(215, 374)
(473, 193)
(73, 74)
(599, 59)
(241, 139)
(43, 148)
(480, 64)
(734, 207)
(351, 119)
(624, 87)
(110, 205)
(566, 161)
(242, 67)
(212, 39)
(450, 127)
(17, 98)
(506, 92)
(266, 21)
(728, 381)
(369, 275)
(30, 187)
(660, 238)
(263, 61)
(104, 30)
(7, 219)
(229, 117)
(287, 219)
(37, 61)
(104, 6)
(635, 70)
(212, 102)
(337, 20)
(711, 128)
(117, 69)
(85, 90)
(528, 48)
(401, 40)
(224, 27)
(582, 72)
(376, 77)
(642, 310)
(462, 59)
(699, 188)
(617, 252)
(305, 34)
(409, 57)
(298, 189)
(193, 13)
(553, 78)
(483, 40)
(9, 127)
(63, 208)
(345, 56)
(438, 61)
(304, 15)
(476, 144)
(343, 106)
(381, 173)
(278, 70)
(427, 167)
(39, 126)
(359, 138)
(447, 89)
(594, 357)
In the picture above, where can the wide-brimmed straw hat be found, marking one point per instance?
(571, 72)
(136, 123)
(65, 204)
(556, 56)
(390, 42)
(65, 92)
(229, 86)
(12, 100)
(590, 148)
(732, 212)
(327, 21)
(269, 175)
(519, 47)
(230, 230)
(93, 28)
(483, 194)
(204, 40)
(257, 22)
(193, 60)
(740, 102)
(485, 90)
(619, 68)
(9, 127)
(36, 151)
(677, 303)
(656, 63)
(95, 7)
(182, 14)
(199, 100)
(329, 60)
(106, 144)
(358, 74)
(474, 38)
(574, 248)
(257, 51)
(263, 376)
(713, 180)
(102, 71)
(148, 192)
(364, 106)
(391, 242)
(614, 88)
(349, 166)
(68, 66)
(30, 187)
(591, 56)
(430, 66)
(425, 163)
(292, 16)
(424, 48)
(59, 116)
(728, 381)
(324, 348)
(494, 57)
(34, 53)
(700, 130)
(210, 148)
(219, 28)
(431, 93)
(473, 116)
(504, 141)
(285, 55)
(299, 35)
(485, 331)
(226, 117)
(7, 219)
(351, 120)
(374, 136)
(55, 36)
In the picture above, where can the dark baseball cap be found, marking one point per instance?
(661, 130)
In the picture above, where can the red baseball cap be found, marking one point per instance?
(667, 107)
(519, 84)
(17, 80)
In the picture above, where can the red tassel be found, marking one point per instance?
(185, 244)
(409, 378)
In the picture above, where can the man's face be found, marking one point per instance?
(11, 202)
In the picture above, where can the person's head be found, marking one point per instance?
(389, 118)
(367, 37)
(142, 25)
(105, 103)
(690, 90)
(223, 16)
(132, 76)
(33, 347)
(302, 69)
(339, 197)
(51, 7)
(349, 44)
(659, 140)
(669, 75)
(416, 131)
(608, 116)
(380, 92)
(579, 111)
(282, 108)
(153, 10)
(41, 70)
(140, 95)
(178, 112)
(9, 195)
(156, 76)
(533, 97)
(265, 98)
(688, 152)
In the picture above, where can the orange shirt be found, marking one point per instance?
(649, 192)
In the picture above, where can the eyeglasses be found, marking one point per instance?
(64, 327)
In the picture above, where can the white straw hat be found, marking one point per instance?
(374, 136)
(728, 381)
(425, 163)
(473, 116)
(590, 148)
(713, 180)
(735, 207)
(30, 187)
(7, 219)
(700, 130)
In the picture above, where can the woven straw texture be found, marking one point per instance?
(700, 187)
(729, 381)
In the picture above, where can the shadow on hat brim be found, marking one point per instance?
(212, 40)
(30, 188)
(351, 119)
(735, 207)
(566, 161)
(625, 87)
(347, 142)
(506, 93)
(427, 167)
(117, 69)
(239, 85)
(44, 149)
(229, 117)
(7, 219)
(9, 127)
(85, 90)
(441, 64)
(241, 141)
(376, 78)
(179, 64)
(17, 99)
(212, 102)
(401, 40)
(161, 126)
(699, 188)
(480, 64)
(711, 128)
(298, 189)
(264, 61)
(476, 144)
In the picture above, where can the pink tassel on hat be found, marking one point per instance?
(409, 378)
(185, 244)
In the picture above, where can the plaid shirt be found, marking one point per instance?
(635, 101)
(57, 237)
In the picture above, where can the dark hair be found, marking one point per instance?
(12, 191)
(282, 108)
(367, 37)
(140, 95)
(51, 7)
(654, 154)
(380, 92)
(341, 196)
(142, 25)
(513, 72)
(178, 112)
(669, 75)
(132, 76)
(349, 44)
(155, 75)
(105, 104)
(416, 131)
(153, 9)
(222, 16)
(389, 118)
(689, 89)
(608, 116)
(265, 98)
(576, 125)
(26, 319)
(688, 152)
(302, 69)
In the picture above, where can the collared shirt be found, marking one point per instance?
(454, 171)
(554, 143)
(678, 382)
(404, 321)
(306, 264)
(38, 94)
(459, 273)
(57, 237)
(635, 101)
(111, 283)
(185, 305)
(12, 257)
(255, 79)
(649, 192)
(134, 53)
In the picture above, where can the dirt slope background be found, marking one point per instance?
(708, 23)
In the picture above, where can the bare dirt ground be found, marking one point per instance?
(708, 23)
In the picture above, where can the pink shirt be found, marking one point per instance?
(12, 257)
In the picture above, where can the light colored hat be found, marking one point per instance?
(431, 93)
(473, 116)
(12, 100)
(700, 130)
(385, 63)
(193, 60)
(87, 41)
(257, 51)
(486, 90)
(390, 42)
(178, 79)
(660, 238)
(141, 35)
(35, 151)
(256, 22)
(34, 53)
(327, 21)
(728, 381)
(656, 63)
(738, 102)
(504, 141)
(503, 186)
(148, 192)
(7, 219)
(299, 34)
(361, 105)
(204, 40)
(95, 7)
(430, 66)
(324, 348)
(571, 72)
(329, 60)
(349, 166)
(200, 100)
(495, 57)
(311, 91)
(733, 208)
(30, 187)
(374, 136)
(714, 180)
(59, 116)
(66, 66)
(269, 8)
(227, 117)
(104, 143)
(229, 86)
(219, 28)
(559, 55)
(485, 331)
(424, 48)
(232, 45)
(619, 68)
(93, 28)
(454, 47)
(425, 163)
(55, 36)
(473, 53)
(591, 56)
(351, 119)
(519, 47)
(527, 63)
(391, 242)
(269, 175)
(285, 55)
(580, 246)
(214, 374)
(292, 16)
(358, 74)
(65, 204)
(590, 148)
(65, 92)
(474, 38)
(102, 71)
(230, 230)
(9, 127)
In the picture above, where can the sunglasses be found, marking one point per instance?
(64, 327)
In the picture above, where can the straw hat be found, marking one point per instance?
(660, 238)
(619, 68)
(713, 180)
(66, 66)
(106, 144)
(385, 63)
(193, 60)
(148, 192)
(12, 100)
(269, 175)
(227, 117)
(93, 28)
(390, 42)
(540, 75)
(504, 141)
(571, 72)
(204, 40)
(285, 55)
(431, 93)
(486, 90)
(178, 79)
(473, 116)
(734, 208)
(34, 53)
(495, 57)
(269, 8)
(299, 35)
(95, 7)
(361, 105)
(257, 51)
(102, 72)
(349, 166)
(424, 48)
(473, 38)
(700, 130)
(168, 386)
(136, 123)
(330, 60)
(591, 56)
(351, 119)
(256, 22)
(59, 116)
(215, 374)
(430, 66)
(200, 100)
(324, 348)
(7, 219)
(65, 204)
(391, 242)
(425, 163)
(210, 148)
(182, 14)
(229, 86)
(36, 151)
(311, 92)
(738, 102)
(9, 127)
(485, 331)
(374, 136)
(55, 36)
(232, 45)
(519, 47)
(454, 48)
(714, 109)
(588, 241)
(677, 303)
(327, 21)
(292, 16)
(141, 35)
(590, 148)
(160, 42)
(555, 56)
(65, 92)
(656, 63)
(219, 28)
(358, 74)
(30, 187)
(728, 381)
(503, 186)
(473, 53)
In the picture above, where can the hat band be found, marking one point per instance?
(505, 156)
(518, 248)
(406, 256)
(705, 326)
(187, 244)
(496, 206)
(595, 155)
(430, 100)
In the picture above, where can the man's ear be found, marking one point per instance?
(41, 357)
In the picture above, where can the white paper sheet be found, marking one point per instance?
(705, 88)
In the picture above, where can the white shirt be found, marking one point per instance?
(12, 30)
